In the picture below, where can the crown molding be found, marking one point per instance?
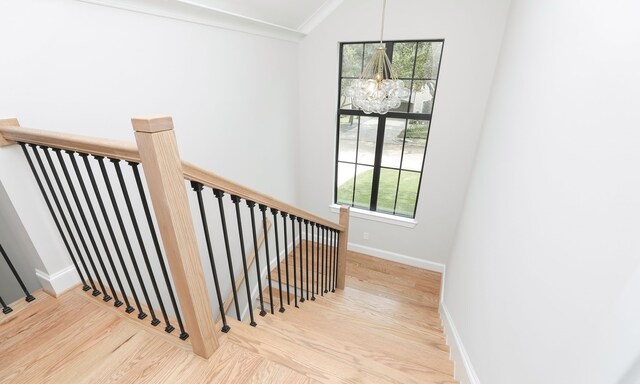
(194, 12)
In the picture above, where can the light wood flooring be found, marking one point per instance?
(384, 328)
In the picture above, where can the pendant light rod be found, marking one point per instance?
(384, 6)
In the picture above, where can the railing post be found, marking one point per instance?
(342, 246)
(163, 172)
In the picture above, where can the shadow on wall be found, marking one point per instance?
(19, 248)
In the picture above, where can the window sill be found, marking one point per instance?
(377, 216)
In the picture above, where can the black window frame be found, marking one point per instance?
(377, 165)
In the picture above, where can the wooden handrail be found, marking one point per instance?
(210, 179)
(128, 151)
(83, 144)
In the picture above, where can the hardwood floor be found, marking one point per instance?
(384, 328)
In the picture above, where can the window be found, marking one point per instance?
(379, 158)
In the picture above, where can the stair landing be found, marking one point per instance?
(384, 328)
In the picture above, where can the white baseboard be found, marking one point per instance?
(398, 258)
(464, 371)
(59, 282)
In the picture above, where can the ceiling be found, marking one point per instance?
(297, 15)
(280, 19)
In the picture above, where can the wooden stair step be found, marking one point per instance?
(320, 362)
(382, 357)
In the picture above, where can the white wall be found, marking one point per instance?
(82, 68)
(472, 31)
(544, 280)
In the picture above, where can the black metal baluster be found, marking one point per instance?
(57, 222)
(5, 308)
(197, 187)
(275, 228)
(236, 201)
(325, 246)
(143, 249)
(265, 230)
(301, 264)
(330, 247)
(314, 279)
(318, 262)
(85, 159)
(306, 253)
(251, 205)
(134, 221)
(154, 236)
(335, 250)
(76, 200)
(218, 194)
(293, 250)
(87, 226)
(28, 296)
(107, 182)
(286, 255)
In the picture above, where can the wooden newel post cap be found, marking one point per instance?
(152, 124)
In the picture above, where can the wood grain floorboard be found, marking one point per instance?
(383, 328)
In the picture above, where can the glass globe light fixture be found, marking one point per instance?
(378, 89)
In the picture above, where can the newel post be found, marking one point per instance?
(163, 172)
(342, 246)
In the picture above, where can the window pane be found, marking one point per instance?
(345, 101)
(415, 144)
(345, 175)
(367, 140)
(352, 60)
(428, 60)
(364, 178)
(369, 49)
(407, 192)
(387, 189)
(422, 94)
(403, 58)
(348, 138)
(392, 146)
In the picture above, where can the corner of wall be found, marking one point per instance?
(57, 283)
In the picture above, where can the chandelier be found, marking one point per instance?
(378, 89)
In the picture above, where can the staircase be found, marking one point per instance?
(383, 328)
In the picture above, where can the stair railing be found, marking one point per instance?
(6, 309)
(61, 165)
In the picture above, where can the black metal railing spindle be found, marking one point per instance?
(123, 265)
(301, 264)
(325, 244)
(293, 250)
(76, 200)
(143, 249)
(306, 253)
(275, 230)
(286, 254)
(197, 187)
(105, 217)
(28, 296)
(219, 194)
(314, 279)
(94, 217)
(236, 202)
(252, 205)
(335, 264)
(318, 262)
(263, 210)
(57, 223)
(5, 308)
(87, 226)
(127, 241)
(154, 236)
